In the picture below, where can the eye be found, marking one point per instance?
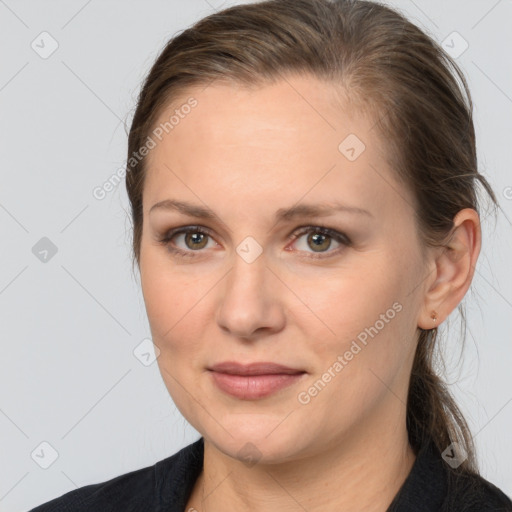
(195, 238)
(320, 238)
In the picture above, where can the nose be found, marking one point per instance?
(250, 300)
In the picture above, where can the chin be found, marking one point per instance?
(255, 438)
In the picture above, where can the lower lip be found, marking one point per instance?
(253, 387)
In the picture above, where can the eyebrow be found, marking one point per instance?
(283, 214)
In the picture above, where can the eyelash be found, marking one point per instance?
(336, 235)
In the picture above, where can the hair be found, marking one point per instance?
(387, 66)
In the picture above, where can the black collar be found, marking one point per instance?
(424, 490)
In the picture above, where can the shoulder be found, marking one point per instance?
(435, 486)
(137, 491)
(131, 488)
(473, 493)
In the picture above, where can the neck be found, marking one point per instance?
(363, 472)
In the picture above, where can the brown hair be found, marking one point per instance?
(386, 65)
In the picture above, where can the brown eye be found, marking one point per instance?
(192, 239)
(195, 240)
(319, 240)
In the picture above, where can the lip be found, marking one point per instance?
(259, 368)
(253, 381)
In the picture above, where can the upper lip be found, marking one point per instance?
(260, 368)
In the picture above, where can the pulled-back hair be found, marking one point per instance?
(385, 65)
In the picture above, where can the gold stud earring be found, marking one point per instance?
(433, 315)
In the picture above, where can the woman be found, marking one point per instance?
(302, 176)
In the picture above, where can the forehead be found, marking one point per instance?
(295, 137)
(297, 104)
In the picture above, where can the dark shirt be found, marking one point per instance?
(166, 486)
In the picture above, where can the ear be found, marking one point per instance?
(454, 267)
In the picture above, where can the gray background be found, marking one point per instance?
(69, 326)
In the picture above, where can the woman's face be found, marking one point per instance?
(258, 286)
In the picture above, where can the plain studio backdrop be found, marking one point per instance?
(79, 400)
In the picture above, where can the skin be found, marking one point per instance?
(245, 153)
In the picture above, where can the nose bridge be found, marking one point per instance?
(249, 271)
(249, 301)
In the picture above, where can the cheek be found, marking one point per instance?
(364, 317)
(173, 301)
(177, 317)
(341, 303)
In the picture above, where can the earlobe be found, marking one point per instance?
(454, 270)
(432, 322)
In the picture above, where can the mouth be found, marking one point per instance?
(260, 368)
(253, 381)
